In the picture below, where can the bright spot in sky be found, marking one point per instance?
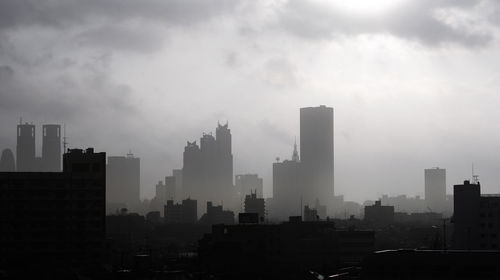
(364, 6)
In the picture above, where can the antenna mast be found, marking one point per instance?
(65, 144)
(475, 178)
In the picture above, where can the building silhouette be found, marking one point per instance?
(476, 218)
(379, 215)
(310, 214)
(57, 217)
(123, 181)
(435, 189)
(185, 212)
(51, 147)
(287, 190)
(207, 173)
(316, 154)
(25, 149)
(177, 173)
(217, 215)
(254, 204)
(289, 250)
(247, 183)
(7, 162)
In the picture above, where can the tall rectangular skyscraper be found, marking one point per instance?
(316, 153)
(123, 181)
(435, 189)
(25, 150)
(51, 148)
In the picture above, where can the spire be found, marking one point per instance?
(295, 155)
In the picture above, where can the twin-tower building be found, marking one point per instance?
(26, 159)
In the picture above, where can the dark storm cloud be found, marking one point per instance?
(412, 20)
(15, 13)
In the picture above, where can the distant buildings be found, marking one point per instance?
(56, 217)
(287, 189)
(316, 154)
(310, 214)
(51, 148)
(207, 174)
(217, 215)
(435, 189)
(379, 215)
(248, 183)
(308, 179)
(184, 213)
(123, 182)
(25, 149)
(7, 162)
(476, 218)
(254, 204)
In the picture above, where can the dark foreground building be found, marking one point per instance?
(281, 251)
(428, 264)
(54, 219)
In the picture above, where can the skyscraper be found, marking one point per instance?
(435, 189)
(51, 148)
(25, 150)
(316, 154)
(207, 173)
(123, 181)
(288, 191)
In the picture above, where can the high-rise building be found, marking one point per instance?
(435, 189)
(225, 162)
(191, 171)
(247, 183)
(316, 154)
(56, 217)
(287, 190)
(170, 183)
(25, 149)
(207, 173)
(177, 173)
(476, 218)
(51, 147)
(184, 213)
(123, 181)
(7, 162)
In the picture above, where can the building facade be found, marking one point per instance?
(123, 181)
(316, 154)
(54, 217)
(476, 218)
(435, 189)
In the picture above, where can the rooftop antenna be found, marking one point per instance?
(65, 144)
(475, 178)
(130, 154)
(21, 120)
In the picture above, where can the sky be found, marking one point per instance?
(414, 84)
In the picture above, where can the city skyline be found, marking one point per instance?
(413, 83)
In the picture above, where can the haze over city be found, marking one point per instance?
(413, 83)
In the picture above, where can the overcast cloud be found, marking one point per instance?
(413, 86)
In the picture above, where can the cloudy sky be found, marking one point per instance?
(414, 84)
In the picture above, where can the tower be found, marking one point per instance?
(25, 149)
(435, 189)
(316, 153)
(123, 180)
(51, 147)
